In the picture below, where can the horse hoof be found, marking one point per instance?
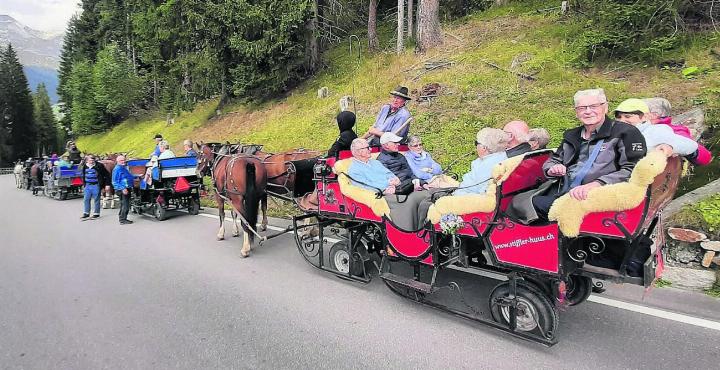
(220, 239)
(244, 254)
(236, 235)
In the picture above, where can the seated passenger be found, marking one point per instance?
(538, 139)
(188, 148)
(657, 137)
(165, 151)
(660, 114)
(490, 144)
(150, 165)
(394, 161)
(345, 121)
(64, 162)
(599, 152)
(369, 173)
(420, 161)
(519, 135)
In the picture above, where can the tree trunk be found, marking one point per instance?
(401, 26)
(373, 41)
(429, 32)
(410, 25)
(313, 45)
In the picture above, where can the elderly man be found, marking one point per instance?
(538, 138)
(94, 177)
(158, 139)
(122, 181)
(188, 147)
(519, 133)
(393, 117)
(394, 161)
(599, 152)
(369, 173)
(165, 151)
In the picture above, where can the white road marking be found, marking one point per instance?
(645, 310)
(668, 315)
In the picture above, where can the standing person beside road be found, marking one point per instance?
(94, 177)
(122, 181)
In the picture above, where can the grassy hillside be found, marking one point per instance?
(473, 93)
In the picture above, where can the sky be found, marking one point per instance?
(43, 15)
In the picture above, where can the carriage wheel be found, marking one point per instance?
(578, 289)
(63, 195)
(341, 261)
(534, 310)
(193, 206)
(159, 212)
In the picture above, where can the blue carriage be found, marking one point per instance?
(62, 182)
(168, 184)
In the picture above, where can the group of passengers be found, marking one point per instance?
(600, 151)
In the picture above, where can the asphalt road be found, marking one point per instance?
(158, 295)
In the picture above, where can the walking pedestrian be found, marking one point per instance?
(122, 181)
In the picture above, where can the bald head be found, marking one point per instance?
(519, 132)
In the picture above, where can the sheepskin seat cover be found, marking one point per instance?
(472, 203)
(569, 212)
(361, 195)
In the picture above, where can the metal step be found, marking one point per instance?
(407, 282)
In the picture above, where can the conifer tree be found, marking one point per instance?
(45, 121)
(18, 124)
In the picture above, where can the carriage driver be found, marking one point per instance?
(393, 117)
(158, 139)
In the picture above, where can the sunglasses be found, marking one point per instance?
(416, 145)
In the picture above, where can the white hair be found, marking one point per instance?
(164, 144)
(357, 144)
(187, 142)
(600, 93)
(414, 139)
(493, 139)
(541, 136)
(659, 106)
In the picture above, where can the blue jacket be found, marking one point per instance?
(121, 178)
(420, 161)
(156, 152)
(476, 181)
(397, 164)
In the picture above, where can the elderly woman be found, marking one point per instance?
(490, 144)
(420, 161)
(165, 151)
(538, 138)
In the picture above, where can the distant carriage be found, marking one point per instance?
(172, 184)
(61, 183)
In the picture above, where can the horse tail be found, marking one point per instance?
(252, 201)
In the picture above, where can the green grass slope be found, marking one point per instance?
(473, 94)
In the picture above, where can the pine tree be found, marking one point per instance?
(45, 121)
(19, 126)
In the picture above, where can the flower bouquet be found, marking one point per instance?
(451, 223)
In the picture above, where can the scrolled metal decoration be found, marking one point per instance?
(506, 223)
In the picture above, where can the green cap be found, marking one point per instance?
(633, 105)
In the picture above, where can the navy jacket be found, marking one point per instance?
(397, 164)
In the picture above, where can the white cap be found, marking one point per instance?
(389, 137)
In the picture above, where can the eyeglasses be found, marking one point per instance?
(583, 108)
(365, 147)
(416, 145)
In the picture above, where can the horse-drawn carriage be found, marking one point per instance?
(169, 184)
(60, 182)
(541, 268)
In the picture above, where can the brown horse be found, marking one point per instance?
(241, 180)
(108, 193)
(36, 176)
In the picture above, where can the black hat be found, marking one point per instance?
(402, 92)
(158, 136)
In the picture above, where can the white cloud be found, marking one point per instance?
(44, 15)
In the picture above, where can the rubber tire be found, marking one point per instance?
(356, 268)
(159, 212)
(581, 289)
(63, 195)
(193, 206)
(546, 312)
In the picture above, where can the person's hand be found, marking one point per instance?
(389, 190)
(581, 192)
(557, 170)
(125, 191)
(394, 181)
(416, 183)
(665, 149)
(426, 186)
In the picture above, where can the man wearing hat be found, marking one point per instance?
(661, 137)
(393, 117)
(394, 161)
(156, 152)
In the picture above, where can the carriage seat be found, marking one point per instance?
(474, 203)
(379, 206)
(570, 212)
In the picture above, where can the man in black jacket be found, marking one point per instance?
(95, 177)
(345, 121)
(394, 161)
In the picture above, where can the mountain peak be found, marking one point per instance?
(33, 47)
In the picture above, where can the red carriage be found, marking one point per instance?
(542, 270)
